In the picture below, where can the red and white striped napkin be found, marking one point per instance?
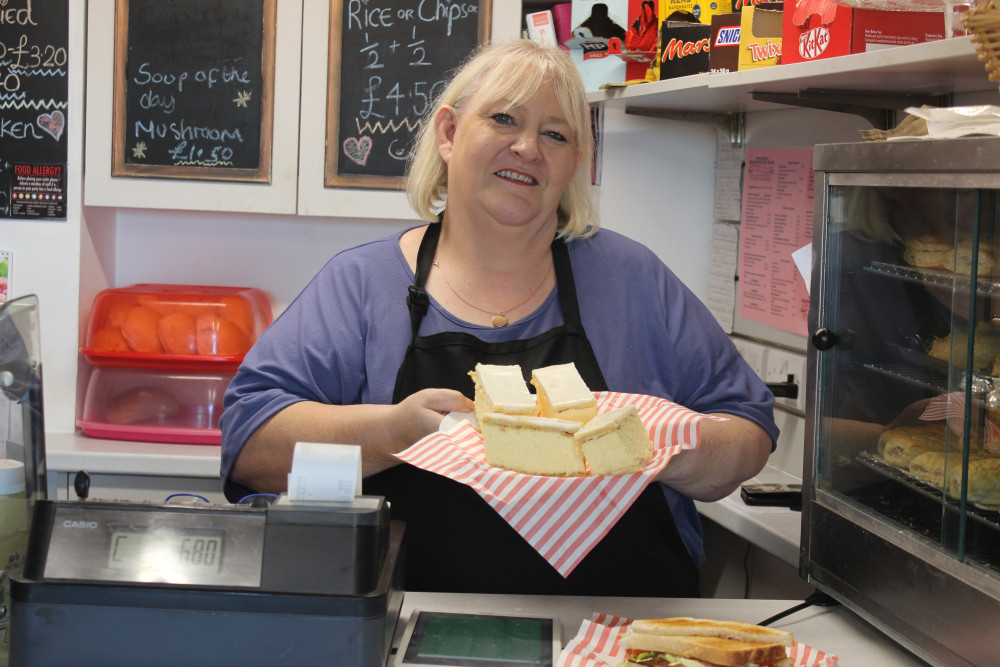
(561, 517)
(951, 407)
(596, 645)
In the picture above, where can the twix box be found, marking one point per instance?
(760, 35)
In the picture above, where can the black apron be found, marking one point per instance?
(455, 542)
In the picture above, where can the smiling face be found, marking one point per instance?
(510, 162)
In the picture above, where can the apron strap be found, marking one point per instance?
(417, 300)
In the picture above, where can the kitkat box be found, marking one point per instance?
(815, 29)
(760, 35)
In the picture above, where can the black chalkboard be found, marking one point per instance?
(194, 89)
(389, 59)
(33, 98)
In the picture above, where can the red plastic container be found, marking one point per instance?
(175, 327)
(151, 405)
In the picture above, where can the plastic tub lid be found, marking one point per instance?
(11, 476)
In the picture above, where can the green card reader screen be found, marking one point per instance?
(480, 640)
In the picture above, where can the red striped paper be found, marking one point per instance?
(951, 406)
(561, 517)
(596, 645)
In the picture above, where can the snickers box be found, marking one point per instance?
(760, 35)
(684, 48)
(724, 49)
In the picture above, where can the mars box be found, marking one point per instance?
(724, 49)
(760, 35)
(815, 29)
(684, 48)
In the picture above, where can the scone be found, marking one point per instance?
(927, 252)
(960, 261)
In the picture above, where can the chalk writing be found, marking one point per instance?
(395, 57)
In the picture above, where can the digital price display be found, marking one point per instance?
(193, 550)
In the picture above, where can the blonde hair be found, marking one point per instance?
(513, 71)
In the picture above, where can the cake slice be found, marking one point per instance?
(615, 442)
(563, 394)
(532, 445)
(502, 389)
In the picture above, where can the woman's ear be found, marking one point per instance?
(445, 121)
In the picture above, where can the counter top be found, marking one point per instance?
(830, 629)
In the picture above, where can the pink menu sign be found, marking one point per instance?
(777, 220)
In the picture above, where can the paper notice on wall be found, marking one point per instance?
(777, 221)
(722, 273)
(728, 179)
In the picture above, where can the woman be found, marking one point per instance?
(378, 347)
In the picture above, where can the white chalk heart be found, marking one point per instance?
(358, 149)
(52, 123)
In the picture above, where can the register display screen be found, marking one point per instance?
(480, 640)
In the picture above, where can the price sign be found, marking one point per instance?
(389, 59)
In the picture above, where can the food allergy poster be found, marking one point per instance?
(33, 94)
(777, 220)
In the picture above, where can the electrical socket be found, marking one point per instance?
(781, 364)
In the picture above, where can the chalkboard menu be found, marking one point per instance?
(194, 89)
(33, 115)
(389, 60)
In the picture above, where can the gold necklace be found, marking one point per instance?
(499, 320)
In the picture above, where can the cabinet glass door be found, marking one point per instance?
(908, 395)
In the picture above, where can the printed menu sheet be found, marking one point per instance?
(777, 221)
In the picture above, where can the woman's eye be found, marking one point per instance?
(556, 136)
(502, 119)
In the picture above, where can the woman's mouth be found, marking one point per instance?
(514, 176)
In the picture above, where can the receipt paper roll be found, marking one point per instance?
(324, 472)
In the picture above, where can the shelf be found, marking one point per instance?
(935, 68)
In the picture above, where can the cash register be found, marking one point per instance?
(117, 583)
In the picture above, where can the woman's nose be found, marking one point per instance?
(526, 145)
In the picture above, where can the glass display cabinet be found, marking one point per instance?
(901, 512)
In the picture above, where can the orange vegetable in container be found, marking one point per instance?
(219, 336)
(177, 333)
(109, 339)
(140, 330)
(117, 311)
(238, 310)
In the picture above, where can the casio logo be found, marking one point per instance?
(89, 525)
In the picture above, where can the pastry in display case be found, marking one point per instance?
(901, 519)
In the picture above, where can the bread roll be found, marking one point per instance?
(960, 261)
(898, 446)
(984, 482)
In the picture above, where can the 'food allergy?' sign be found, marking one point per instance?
(33, 100)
